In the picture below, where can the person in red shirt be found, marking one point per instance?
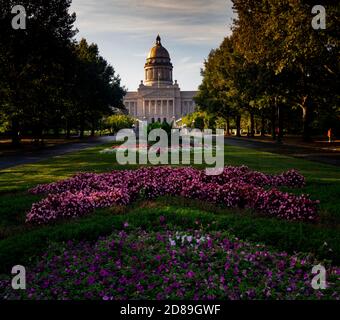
(329, 134)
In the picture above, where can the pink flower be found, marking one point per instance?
(236, 187)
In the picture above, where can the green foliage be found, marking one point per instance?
(273, 62)
(220, 123)
(160, 125)
(282, 235)
(47, 79)
(33, 62)
(4, 123)
(96, 87)
(117, 122)
(203, 120)
(195, 120)
(305, 62)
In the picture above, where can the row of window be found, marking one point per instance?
(158, 74)
(161, 107)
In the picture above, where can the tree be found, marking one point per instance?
(217, 91)
(97, 89)
(279, 35)
(31, 61)
(231, 85)
(117, 122)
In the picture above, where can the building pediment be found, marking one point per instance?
(158, 94)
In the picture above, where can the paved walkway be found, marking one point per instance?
(36, 156)
(328, 157)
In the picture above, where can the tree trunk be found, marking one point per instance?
(273, 122)
(238, 126)
(56, 132)
(228, 126)
(280, 123)
(263, 125)
(306, 119)
(252, 125)
(15, 133)
(82, 127)
(37, 133)
(68, 130)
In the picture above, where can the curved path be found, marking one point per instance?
(312, 154)
(36, 156)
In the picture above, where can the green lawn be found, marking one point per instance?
(323, 183)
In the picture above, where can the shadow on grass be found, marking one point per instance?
(178, 212)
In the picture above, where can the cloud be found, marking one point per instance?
(191, 21)
(139, 55)
(125, 30)
(190, 66)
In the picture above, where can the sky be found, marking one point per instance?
(125, 31)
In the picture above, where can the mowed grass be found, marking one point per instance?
(323, 182)
(26, 247)
(20, 242)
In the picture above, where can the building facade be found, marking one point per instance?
(158, 97)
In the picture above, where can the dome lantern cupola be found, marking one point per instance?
(158, 67)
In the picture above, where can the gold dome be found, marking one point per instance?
(158, 51)
(158, 66)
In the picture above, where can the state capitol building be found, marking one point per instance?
(159, 98)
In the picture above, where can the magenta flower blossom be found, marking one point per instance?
(236, 187)
(230, 269)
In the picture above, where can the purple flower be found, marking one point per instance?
(104, 273)
(237, 187)
(91, 280)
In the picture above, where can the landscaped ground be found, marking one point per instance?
(220, 265)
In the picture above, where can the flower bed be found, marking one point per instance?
(235, 187)
(168, 264)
